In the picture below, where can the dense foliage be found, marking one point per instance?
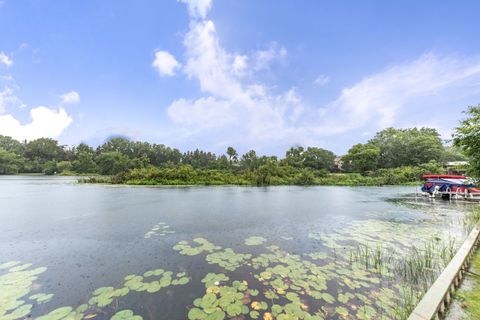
(467, 137)
(392, 156)
(393, 148)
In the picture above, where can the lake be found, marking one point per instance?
(75, 251)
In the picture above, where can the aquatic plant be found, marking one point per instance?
(16, 284)
(228, 259)
(203, 246)
(221, 301)
(125, 315)
(160, 229)
(42, 297)
(214, 279)
(254, 241)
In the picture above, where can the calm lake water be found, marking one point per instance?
(79, 238)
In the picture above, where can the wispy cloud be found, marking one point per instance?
(71, 97)
(8, 98)
(5, 60)
(377, 99)
(321, 80)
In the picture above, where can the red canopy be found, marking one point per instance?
(443, 176)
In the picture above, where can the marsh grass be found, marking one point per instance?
(471, 219)
(414, 268)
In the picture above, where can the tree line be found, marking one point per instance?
(392, 156)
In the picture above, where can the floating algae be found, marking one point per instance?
(254, 241)
(160, 229)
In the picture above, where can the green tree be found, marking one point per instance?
(44, 149)
(11, 145)
(117, 144)
(10, 163)
(266, 171)
(453, 153)
(294, 157)
(362, 158)
(467, 137)
(222, 162)
(407, 147)
(64, 167)
(84, 159)
(250, 160)
(318, 158)
(199, 159)
(50, 167)
(161, 155)
(112, 162)
(232, 154)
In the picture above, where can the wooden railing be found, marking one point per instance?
(434, 303)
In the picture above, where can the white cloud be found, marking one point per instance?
(165, 63)
(71, 97)
(198, 8)
(204, 112)
(379, 98)
(249, 106)
(4, 59)
(45, 122)
(240, 64)
(238, 106)
(321, 80)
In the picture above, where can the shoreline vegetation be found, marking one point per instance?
(391, 157)
(188, 176)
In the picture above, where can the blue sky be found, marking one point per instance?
(252, 74)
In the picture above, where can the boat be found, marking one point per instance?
(450, 187)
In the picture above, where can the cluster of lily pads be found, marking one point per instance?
(316, 285)
(203, 245)
(222, 301)
(342, 281)
(228, 259)
(289, 286)
(17, 283)
(254, 241)
(160, 229)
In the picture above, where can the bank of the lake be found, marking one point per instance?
(187, 175)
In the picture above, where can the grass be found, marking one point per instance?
(414, 270)
(470, 297)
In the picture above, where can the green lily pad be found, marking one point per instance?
(125, 315)
(254, 241)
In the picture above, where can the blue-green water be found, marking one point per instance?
(92, 236)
